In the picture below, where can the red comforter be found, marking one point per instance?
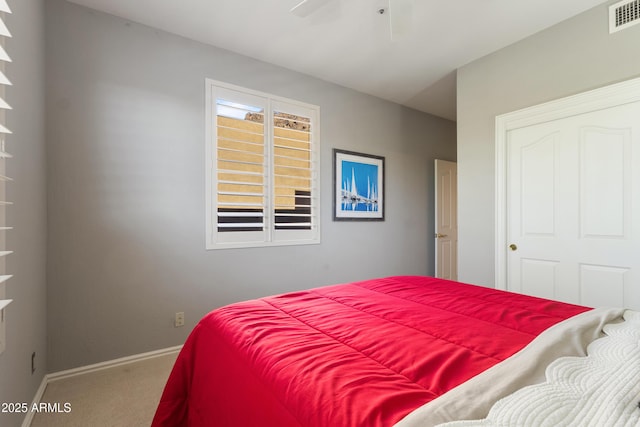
(358, 354)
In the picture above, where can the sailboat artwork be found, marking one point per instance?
(351, 199)
(359, 186)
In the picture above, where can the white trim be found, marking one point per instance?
(28, 419)
(208, 165)
(605, 97)
(111, 363)
(69, 373)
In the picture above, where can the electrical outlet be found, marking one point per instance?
(179, 319)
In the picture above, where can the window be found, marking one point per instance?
(4, 179)
(262, 169)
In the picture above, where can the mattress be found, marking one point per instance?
(368, 353)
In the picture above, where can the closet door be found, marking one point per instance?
(573, 208)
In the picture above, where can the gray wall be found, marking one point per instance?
(26, 316)
(571, 57)
(125, 135)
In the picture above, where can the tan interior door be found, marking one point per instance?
(446, 217)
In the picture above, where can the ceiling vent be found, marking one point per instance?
(624, 14)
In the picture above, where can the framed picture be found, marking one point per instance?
(358, 189)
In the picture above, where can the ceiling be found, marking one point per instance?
(348, 41)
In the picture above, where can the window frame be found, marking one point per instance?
(269, 236)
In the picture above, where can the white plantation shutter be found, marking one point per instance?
(262, 169)
(4, 157)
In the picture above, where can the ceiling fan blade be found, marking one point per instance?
(307, 7)
(400, 17)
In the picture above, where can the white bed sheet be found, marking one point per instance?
(474, 399)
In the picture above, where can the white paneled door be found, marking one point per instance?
(446, 215)
(573, 208)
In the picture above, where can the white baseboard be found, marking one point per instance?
(111, 363)
(36, 400)
(56, 376)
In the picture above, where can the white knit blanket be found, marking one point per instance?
(599, 389)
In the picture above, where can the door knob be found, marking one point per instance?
(438, 235)
(513, 247)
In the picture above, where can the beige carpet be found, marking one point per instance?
(122, 396)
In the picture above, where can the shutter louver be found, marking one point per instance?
(4, 80)
(4, 31)
(4, 57)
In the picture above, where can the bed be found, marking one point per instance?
(406, 351)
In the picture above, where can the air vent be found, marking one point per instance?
(624, 14)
